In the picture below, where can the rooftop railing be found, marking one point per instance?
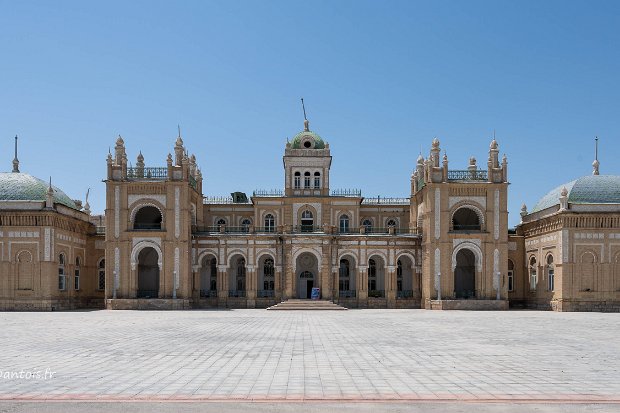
(467, 175)
(385, 201)
(158, 173)
(222, 200)
(267, 192)
(346, 192)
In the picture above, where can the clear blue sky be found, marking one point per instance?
(380, 80)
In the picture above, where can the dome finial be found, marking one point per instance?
(15, 160)
(596, 163)
(306, 123)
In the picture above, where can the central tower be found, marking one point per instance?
(306, 165)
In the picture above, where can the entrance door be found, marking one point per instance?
(305, 284)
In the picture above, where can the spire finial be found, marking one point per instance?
(306, 123)
(179, 128)
(15, 160)
(596, 163)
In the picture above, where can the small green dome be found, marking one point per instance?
(307, 140)
(15, 186)
(589, 189)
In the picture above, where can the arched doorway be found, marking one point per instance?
(208, 277)
(346, 278)
(465, 274)
(376, 277)
(404, 277)
(307, 269)
(148, 273)
(237, 276)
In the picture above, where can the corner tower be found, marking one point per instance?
(464, 220)
(149, 213)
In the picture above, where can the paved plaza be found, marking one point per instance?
(290, 356)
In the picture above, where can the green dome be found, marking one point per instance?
(15, 186)
(314, 140)
(590, 189)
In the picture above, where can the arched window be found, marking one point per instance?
(391, 223)
(76, 272)
(550, 273)
(221, 221)
(297, 180)
(306, 179)
(511, 276)
(269, 275)
(344, 223)
(372, 275)
(465, 219)
(62, 278)
(241, 274)
(317, 179)
(147, 218)
(399, 275)
(307, 221)
(101, 274)
(367, 224)
(344, 275)
(270, 223)
(245, 225)
(533, 274)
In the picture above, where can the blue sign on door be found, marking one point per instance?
(316, 293)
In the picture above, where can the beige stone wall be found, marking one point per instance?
(31, 243)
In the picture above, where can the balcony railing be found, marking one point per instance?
(265, 230)
(307, 229)
(354, 193)
(347, 294)
(155, 173)
(147, 226)
(466, 227)
(476, 175)
(386, 201)
(404, 294)
(236, 293)
(265, 293)
(267, 193)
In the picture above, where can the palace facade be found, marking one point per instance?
(163, 244)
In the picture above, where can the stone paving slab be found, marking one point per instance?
(356, 355)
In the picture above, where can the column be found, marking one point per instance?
(324, 283)
(361, 283)
(250, 286)
(222, 283)
(390, 285)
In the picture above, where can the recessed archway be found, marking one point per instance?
(465, 274)
(148, 273)
(307, 273)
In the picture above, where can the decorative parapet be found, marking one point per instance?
(468, 175)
